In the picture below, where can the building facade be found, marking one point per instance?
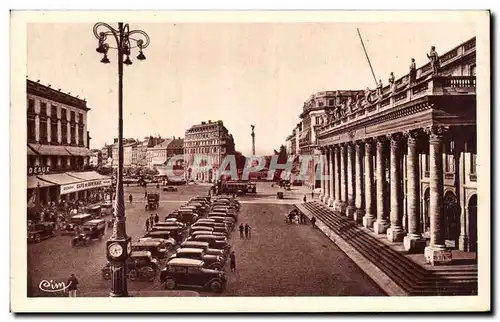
(95, 159)
(57, 145)
(142, 148)
(208, 139)
(401, 160)
(128, 146)
(106, 152)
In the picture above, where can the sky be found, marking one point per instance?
(240, 73)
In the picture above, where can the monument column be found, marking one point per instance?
(323, 171)
(351, 188)
(343, 179)
(436, 253)
(331, 176)
(324, 175)
(360, 192)
(370, 201)
(395, 233)
(381, 224)
(413, 241)
(336, 164)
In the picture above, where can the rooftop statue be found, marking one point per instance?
(413, 71)
(434, 58)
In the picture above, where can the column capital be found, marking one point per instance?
(413, 136)
(436, 132)
(395, 139)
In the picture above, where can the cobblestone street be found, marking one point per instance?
(278, 260)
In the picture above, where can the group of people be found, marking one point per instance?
(245, 231)
(296, 217)
(151, 221)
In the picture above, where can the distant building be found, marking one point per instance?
(160, 153)
(210, 139)
(129, 144)
(95, 159)
(106, 152)
(142, 148)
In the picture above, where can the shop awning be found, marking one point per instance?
(31, 151)
(78, 151)
(34, 181)
(44, 149)
(61, 178)
(87, 175)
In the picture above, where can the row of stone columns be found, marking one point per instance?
(352, 187)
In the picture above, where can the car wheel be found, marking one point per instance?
(216, 286)
(170, 284)
(37, 238)
(106, 274)
(216, 267)
(147, 273)
(132, 275)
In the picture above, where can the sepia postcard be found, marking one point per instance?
(260, 161)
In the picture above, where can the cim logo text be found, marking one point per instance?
(51, 286)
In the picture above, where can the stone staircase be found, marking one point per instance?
(413, 278)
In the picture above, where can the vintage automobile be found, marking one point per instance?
(279, 195)
(140, 265)
(153, 201)
(217, 242)
(201, 200)
(168, 243)
(187, 272)
(170, 223)
(227, 211)
(210, 261)
(107, 208)
(208, 232)
(75, 221)
(187, 216)
(157, 249)
(170, 189)
(221, 218)
(95, 211)
(205, 246)
(212, 223)
(215, 227)
(172, 232)
(90, 230)
(40, 231)
(200, 208)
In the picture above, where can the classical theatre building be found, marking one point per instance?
(402, 159)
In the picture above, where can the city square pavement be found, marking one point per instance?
(278, 260)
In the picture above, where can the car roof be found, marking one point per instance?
(167, 228)
(81, 216)
(185, 262)
(195, 242)
(201, 226)
(94, 221)
(146, 243)
(189, 250)
(171, 219)
(140, 253)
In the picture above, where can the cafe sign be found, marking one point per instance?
(79, 186)
(38, 170)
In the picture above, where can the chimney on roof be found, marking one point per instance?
(209, 121)
(115, 140)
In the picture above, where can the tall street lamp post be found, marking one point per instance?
(118, 247)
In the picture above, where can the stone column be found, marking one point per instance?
(380, 225)
(395, 232)
(331, 174)
(337, 172)
(325, 174)
(370, 201)
(413, 241)
(343, 179)
(351, 188)
(324, 156)
(436, 253)
(360, 191)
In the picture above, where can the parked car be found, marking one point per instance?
(74, 221)
(221, 218)
(187, 272)
(95, 211)
(40, 231)
(212, 223)
(170, 189)
(208, 232)
(173, 232)
(209, 261)
(168, 243)
(211, 227)
(107, 208)
(169, 223)
(157, 249)
(217, 242)
(205, 246)
(90, 230)
(140, 265)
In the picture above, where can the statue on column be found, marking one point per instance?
(337, 98)
(392, 83)
(367, 95)
(434, 58)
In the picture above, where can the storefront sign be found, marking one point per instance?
(38, 170)
(74, 187)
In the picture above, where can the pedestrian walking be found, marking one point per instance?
(248, 231)
(147, 224)
(130, 198)
(313, 221)
(232, 261)
(72, 285)
(145, 195)
(241, 231)
(312, 194)
(157, 218)
(305, 199)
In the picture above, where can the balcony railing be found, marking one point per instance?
(398, 95)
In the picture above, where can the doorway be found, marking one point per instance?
(472, 210)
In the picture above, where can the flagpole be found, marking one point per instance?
(368, 58)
